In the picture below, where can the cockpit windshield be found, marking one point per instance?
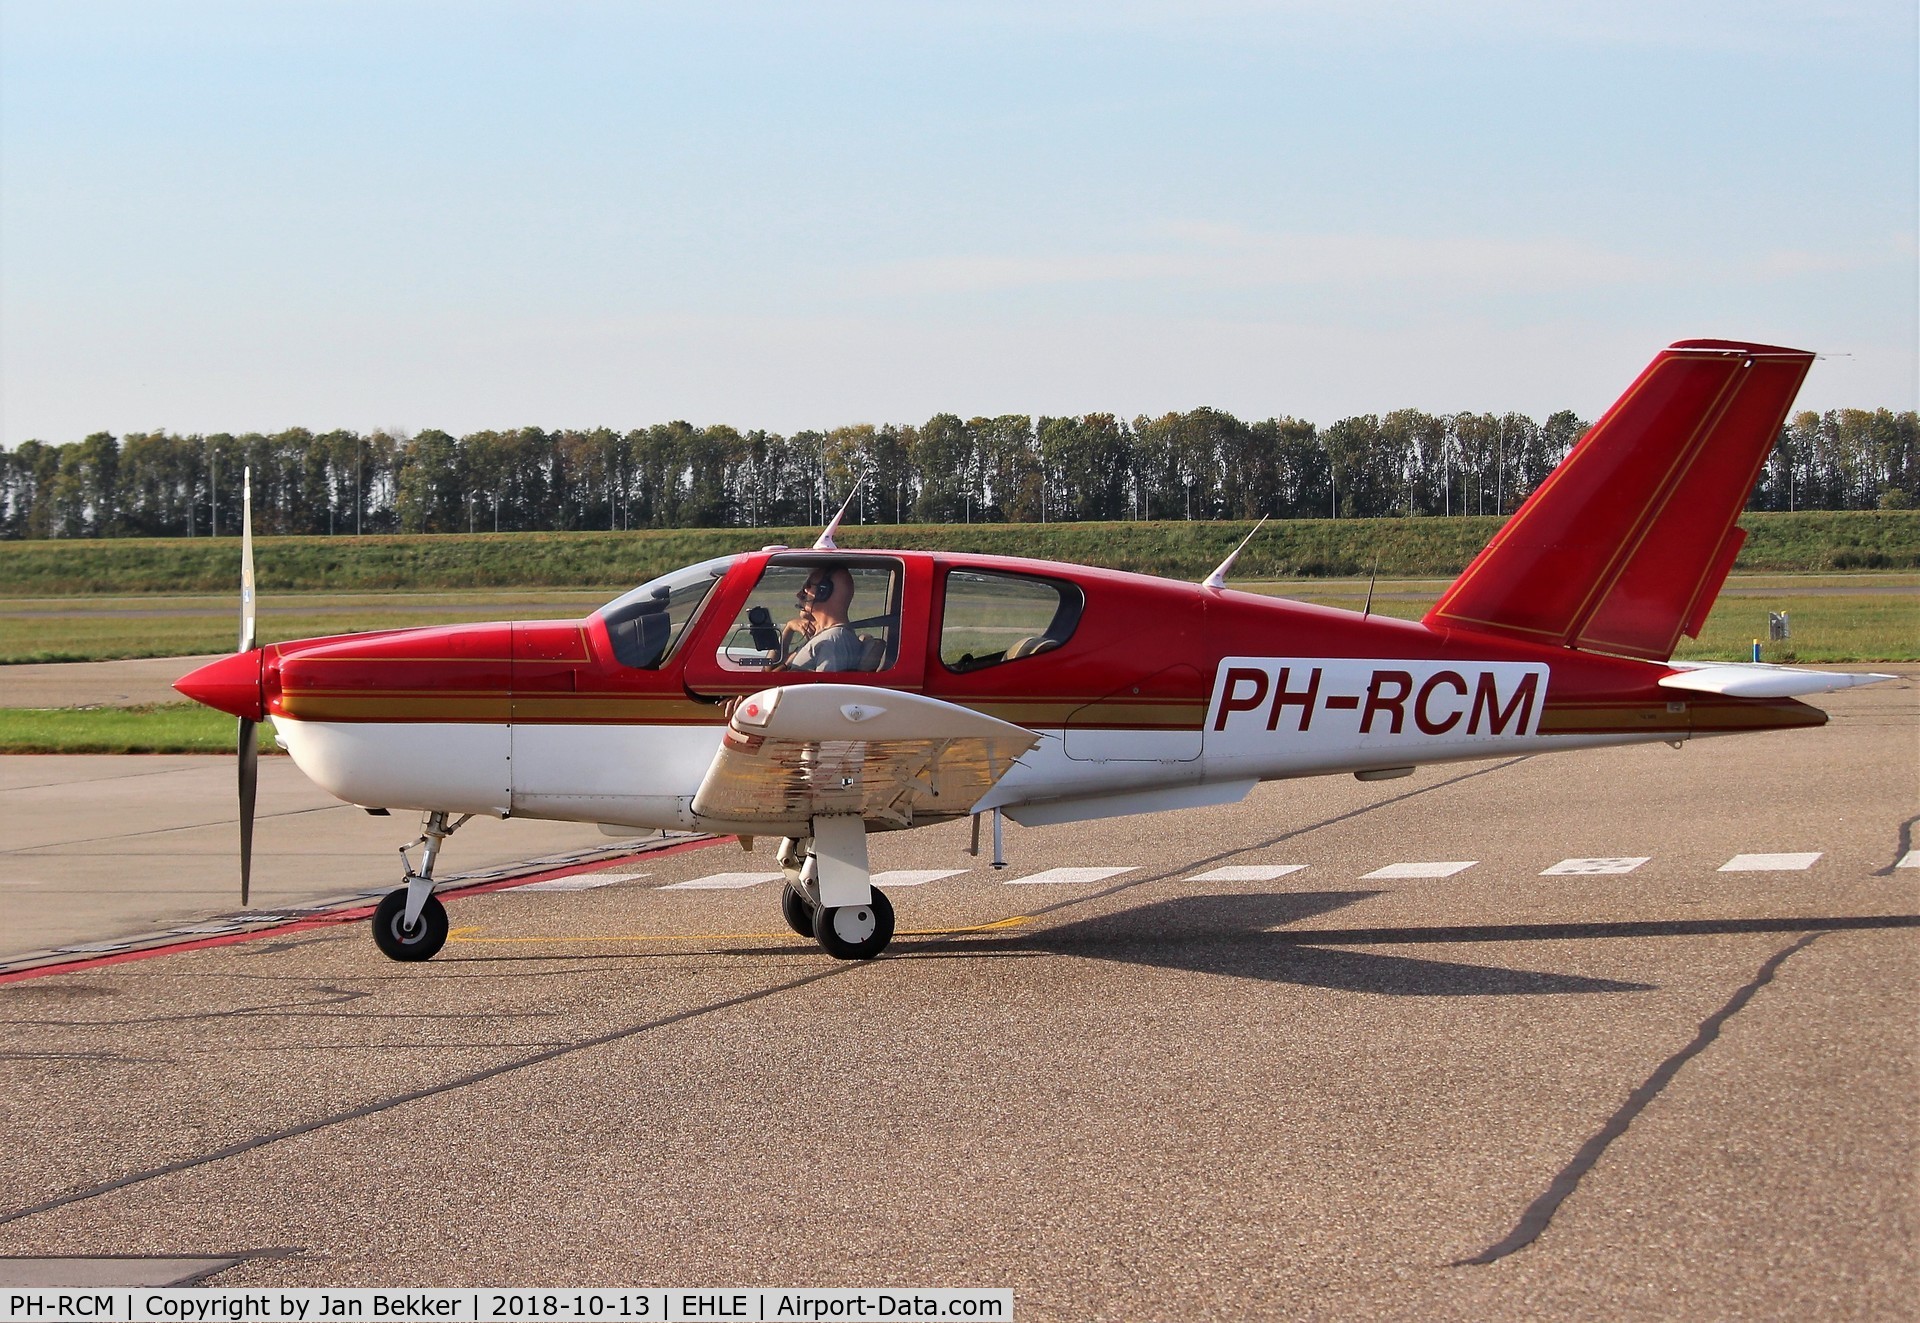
(646, 625)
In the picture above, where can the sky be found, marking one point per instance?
(252, 216)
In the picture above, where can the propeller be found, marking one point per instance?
(249, 736)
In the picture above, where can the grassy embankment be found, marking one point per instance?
(83, 601)
(1806, 543)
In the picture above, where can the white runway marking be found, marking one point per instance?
(723, 882)
(913, 877)
(1053, 875)
(1911, 859)
(1444, 868)
(1246, 873)
(1625, 864)
(1769, 863)
(582, 882)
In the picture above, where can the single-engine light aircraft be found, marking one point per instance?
(818, 695)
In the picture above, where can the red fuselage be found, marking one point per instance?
(1144, 657)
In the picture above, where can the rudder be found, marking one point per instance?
(1625, 545)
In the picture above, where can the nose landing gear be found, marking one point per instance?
(409, 923)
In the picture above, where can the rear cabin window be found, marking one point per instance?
(992, 618)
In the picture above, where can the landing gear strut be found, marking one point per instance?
(857, 931)
(409, 923)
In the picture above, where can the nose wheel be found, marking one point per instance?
(399, 941)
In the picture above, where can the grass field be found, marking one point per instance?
(1803, 543)
(1834, 618)
(34, 629)
(151, 728)
(1855, 617)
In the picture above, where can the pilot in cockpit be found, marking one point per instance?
(826, 605)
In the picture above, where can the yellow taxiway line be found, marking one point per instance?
(467, 934)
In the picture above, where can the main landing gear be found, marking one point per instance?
(410, 924)
(856, 930)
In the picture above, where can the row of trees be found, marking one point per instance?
(1203, 464)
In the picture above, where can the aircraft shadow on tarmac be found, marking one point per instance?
(1233, 935)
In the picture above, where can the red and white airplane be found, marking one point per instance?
(919, 687)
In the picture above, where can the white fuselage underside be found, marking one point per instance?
(646, 776)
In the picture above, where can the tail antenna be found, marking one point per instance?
(1218, 579)
(1372, 579)
(825, 541)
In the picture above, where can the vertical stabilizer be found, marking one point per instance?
(1625, 545)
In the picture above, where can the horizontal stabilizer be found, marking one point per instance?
(1759, 680)
(1625, 545)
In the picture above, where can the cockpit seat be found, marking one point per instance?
(1029, 646)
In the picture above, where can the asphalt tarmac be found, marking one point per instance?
(103, 851)
(1669, 1092)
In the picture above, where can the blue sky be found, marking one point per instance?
(261, 215)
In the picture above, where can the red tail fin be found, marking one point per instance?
(1626, 544)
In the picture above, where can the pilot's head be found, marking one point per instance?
(827, 594)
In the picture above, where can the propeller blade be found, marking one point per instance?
(249, 750)
(248, 634)
(249, 783)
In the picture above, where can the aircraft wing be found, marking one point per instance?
(810, 750)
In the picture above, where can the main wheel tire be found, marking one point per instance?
(855, 932)
(797, 910)
(397, 942)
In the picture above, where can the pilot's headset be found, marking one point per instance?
(819, 590)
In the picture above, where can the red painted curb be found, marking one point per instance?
(335, 918)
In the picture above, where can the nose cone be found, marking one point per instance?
(231, 684)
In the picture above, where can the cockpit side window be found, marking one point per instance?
(992, 617)
(817, 614)
(647, 624)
